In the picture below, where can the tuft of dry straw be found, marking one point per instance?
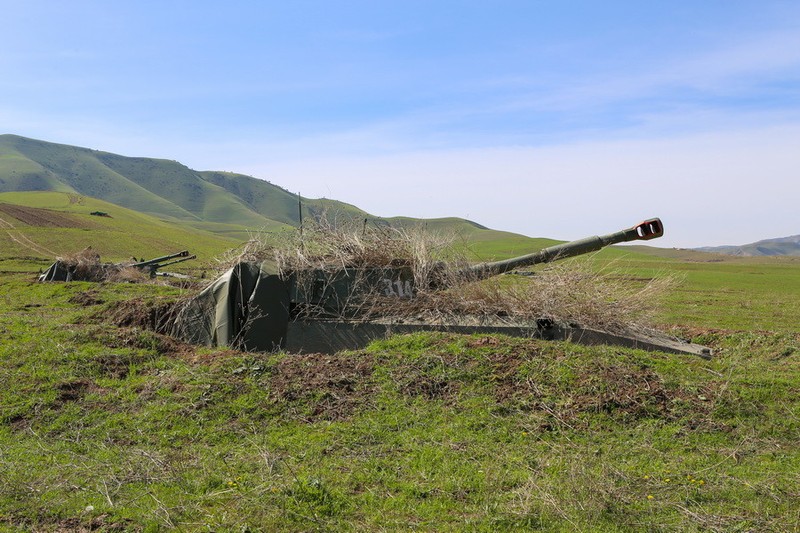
(329, 245)
(128, 274)
(570, 292)
(85, 265)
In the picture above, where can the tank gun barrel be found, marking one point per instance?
(644, 231)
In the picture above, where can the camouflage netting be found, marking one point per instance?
(247, 308)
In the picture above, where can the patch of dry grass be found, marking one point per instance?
(128, 274)
(331, 245)
(570, 292)
(85, 265)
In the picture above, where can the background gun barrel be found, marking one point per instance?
(176, 261)
(157, 260)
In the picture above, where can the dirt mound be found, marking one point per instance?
(323, 387)
(566, 392)
(86, 298)
(74, 390)
(151, 315)
(43, 218)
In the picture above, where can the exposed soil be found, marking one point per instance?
(18, 422)
(430, 379)
(507, 384)
(625, 390)
(43, 218)
(117, 366)
(334, 387)
(86, 298)
(113, 366)
(23, 240)
(74, 390)
(622, 390)
(152, 315)
(94, 523)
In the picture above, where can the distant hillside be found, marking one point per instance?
(159, 187)
(227, 204)
(767, 247)
(222, 202)
(43, 225)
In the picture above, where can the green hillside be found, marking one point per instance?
(30, 165)
(35, 227)
(230, 205)
(227, 203)
(215, 201)
(280, 204)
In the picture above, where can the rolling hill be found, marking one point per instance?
(221, 202)
(767, 247)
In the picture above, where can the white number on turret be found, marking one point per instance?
(398, 288)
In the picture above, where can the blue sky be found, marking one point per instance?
(555, 119)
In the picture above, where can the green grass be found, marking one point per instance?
(742, 295)
(748, 294)
(104, 427)
(124, 234)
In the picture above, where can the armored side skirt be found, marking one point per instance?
(332, 336)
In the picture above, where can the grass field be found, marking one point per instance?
(736, 293)
(36, 228)
(105, 425)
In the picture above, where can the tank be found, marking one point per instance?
(255, 307)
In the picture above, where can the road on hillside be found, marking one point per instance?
(28, 216)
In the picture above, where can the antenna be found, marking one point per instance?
(300, 217)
